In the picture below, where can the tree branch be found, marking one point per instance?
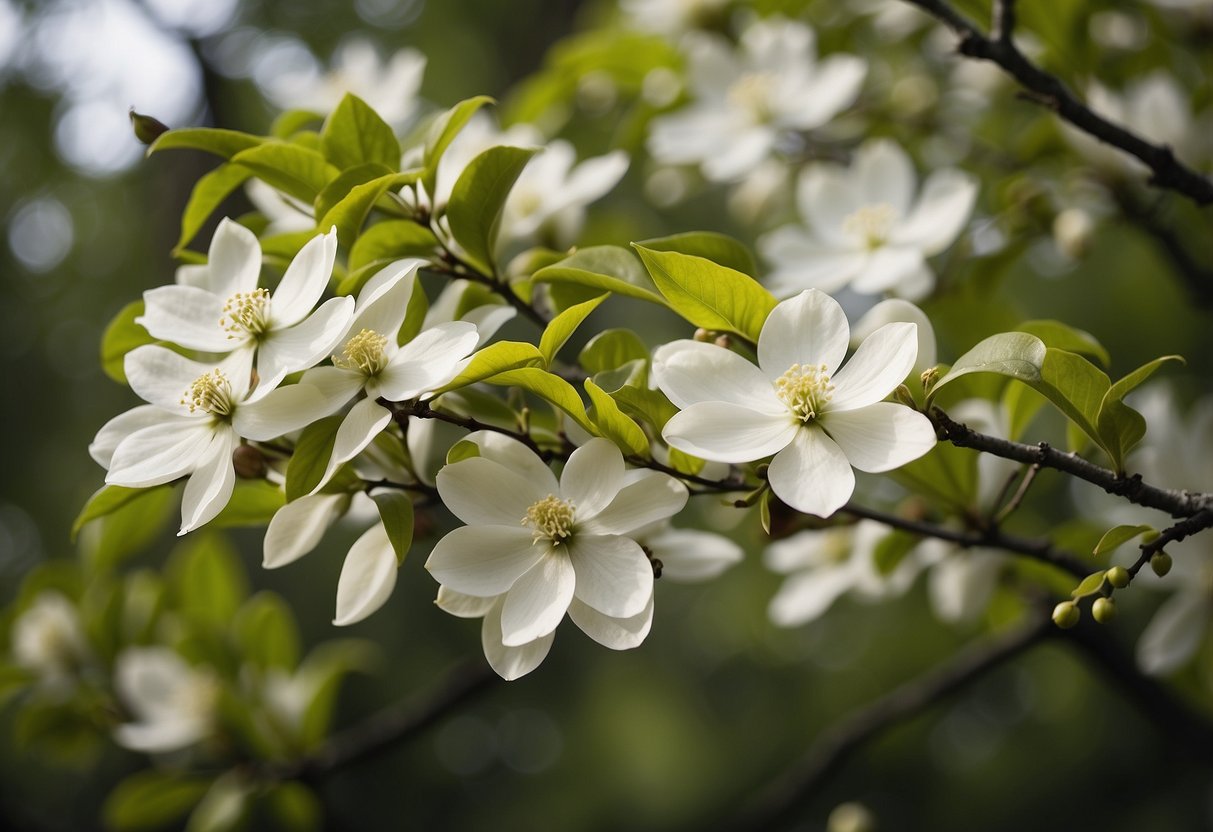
(1133, 489)
(1188, 526)
(1167, 171)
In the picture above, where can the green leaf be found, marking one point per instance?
(946, 473)
(294, 806)
(414, 314)
(253, 503)
(208, 194)
(151, 800)
(225, 143)
(1135, 379)
(561, 328)
(323, 669)
(1076, 386)
(1117, 536)
(292, 169)
(266, 631)
(128, 529)
(442, 132)
(645, 403)
(614, 425)
(1061, 336)
(351, 212)
(396, 511)
(719, 248)
(340, 188)
(494, 359)
(224, 808)
(392, 240)
(311, 456)
(1090, 585)
(610, 349)
(550, 387)
(355, 134)
(709, 295)
(603, 268)
(474, 211)
(1021, 404)
(1015, 354)
(892, 550)
(764, 511)
(106, 500)
(461, 450)
(1120, 426)
(120, 337)
(207, 579)
(291, 122)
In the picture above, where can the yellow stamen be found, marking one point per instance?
(364, 352)
(247, 314)
(805, 389)
(551, 518)
(211, 392)
(871, 223)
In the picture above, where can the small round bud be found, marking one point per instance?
(1073, 229)
(723, 341)
(147, 129)
(248, 462)
(903, 395)
(1161, 563)
(1103, 610)
(704, 335)
(1118, 577)
(1066, 614)
(851, 817)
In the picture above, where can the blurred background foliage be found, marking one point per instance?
(678, 733)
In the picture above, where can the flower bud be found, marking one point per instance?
(1072, 231)
(1118, 577)
(928, 378)
(1066, 614)
(851, 817)
(1103, 610)
(903, 395)
(248, 462)
(723, 341)
(704, 335)
(147, 129)
(1161, 563)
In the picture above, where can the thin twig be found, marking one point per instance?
(1168, 172)
(1017, 498)
(1184, 528)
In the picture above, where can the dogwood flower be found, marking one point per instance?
(671, 17)
(196, 416)
(689, 555)
(219, 308)
(544, 547)
(49, 640)
(864, 227)
(173, 704)
(817, 419)
(747, 102)
(372, 362)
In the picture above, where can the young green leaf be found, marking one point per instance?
(1061, 336)
(1117, 536)
(494, 359)
(474, 211)
(561, 328)
(351, 211)
(355, 134)
(121, 336)
(396, 512)
(267, 633)
(253, 503)
(719, 248)
(292, 169)
(208, 194)
(603, 268)
(311, 456)
(225, 143)
(1015, 354)
(550, 387)
(614, 425)
(610, 349)
(442, 132)
(152, 799)
(392, 240)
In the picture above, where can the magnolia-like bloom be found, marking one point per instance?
(817, 420)
(372, 363)
(548, 547)
(49, 640)
(196, 416)
(822, 565)
(173, 704)
(689, 555)
(747, 102)
(219, 307)
(864, 227)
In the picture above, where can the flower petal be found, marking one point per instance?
(885, 175)
(615, 633)
(101, 449)
(368, 576)
(834, 86)
(803, 262)
(305, 280)
(511, 662)
(728, 432)
(279, 412)
(881, 436)
(210, 487)
(807, 329)
(941, 213)
(592, 478)
(613, 574)
(689, 372)
(233, 261)
(297, 527)
(159, 453)
(1174, 633)
(483, 560)
(384, 300)
(186, 316)
(361, 425)
(301, 346)
(160, 376)
(464, 606)
(812, 474)
(887, 269)
(650, 497)
(827, 197)
(882, 362)
(804, 596)
(336, 384)
(538, 600)
(961, 584)
(690, 555)
(893, 310)
(479, 491)
(429, 361)
(517, 457)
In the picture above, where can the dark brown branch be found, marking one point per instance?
(1167, 171)
(1133, 489)
(1184, 528)
(1196, 276)
(785, 797)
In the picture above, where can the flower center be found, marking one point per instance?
(247, 314)
(871, 223)
(211, 392)
(753, 92)
(527, 202)
(805, 389)
(551, 518)
(364, 352)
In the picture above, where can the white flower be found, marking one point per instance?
(747, 102)
(197, 415)
(689, 555)
(372, 362)
(817, 420)
(173, 704)
(550, 547)
(893, 310)
(865, 228)
(48, 639)
(960, 581)
(671, 17)
(390, 88)
(822, 565)
(220, 308)
(285, 213)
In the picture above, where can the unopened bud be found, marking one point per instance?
(1103, 610)
(851, 817)
(1118, 577)
(1072, 231)
(1161, 563)
(929, 377)
(723, 341)
(704, 335)
(1066, 614)
(248, 462)
(903, 395)
(147, 129)
(761, 470)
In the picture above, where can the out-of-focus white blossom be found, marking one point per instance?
(48, 639)
(172, 704)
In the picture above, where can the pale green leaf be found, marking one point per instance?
(474, 210)
(442, 132)
(396, 512)
(392, 240)
(208, 194)
(1117, 536)
(292, 169)
(494, 359)
(719, 248)
(1065, 337)
(225, 143)
(551, 388)
(610, 349)
(602, 268)
(614, 425)
(561, 328)
(355, 134)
